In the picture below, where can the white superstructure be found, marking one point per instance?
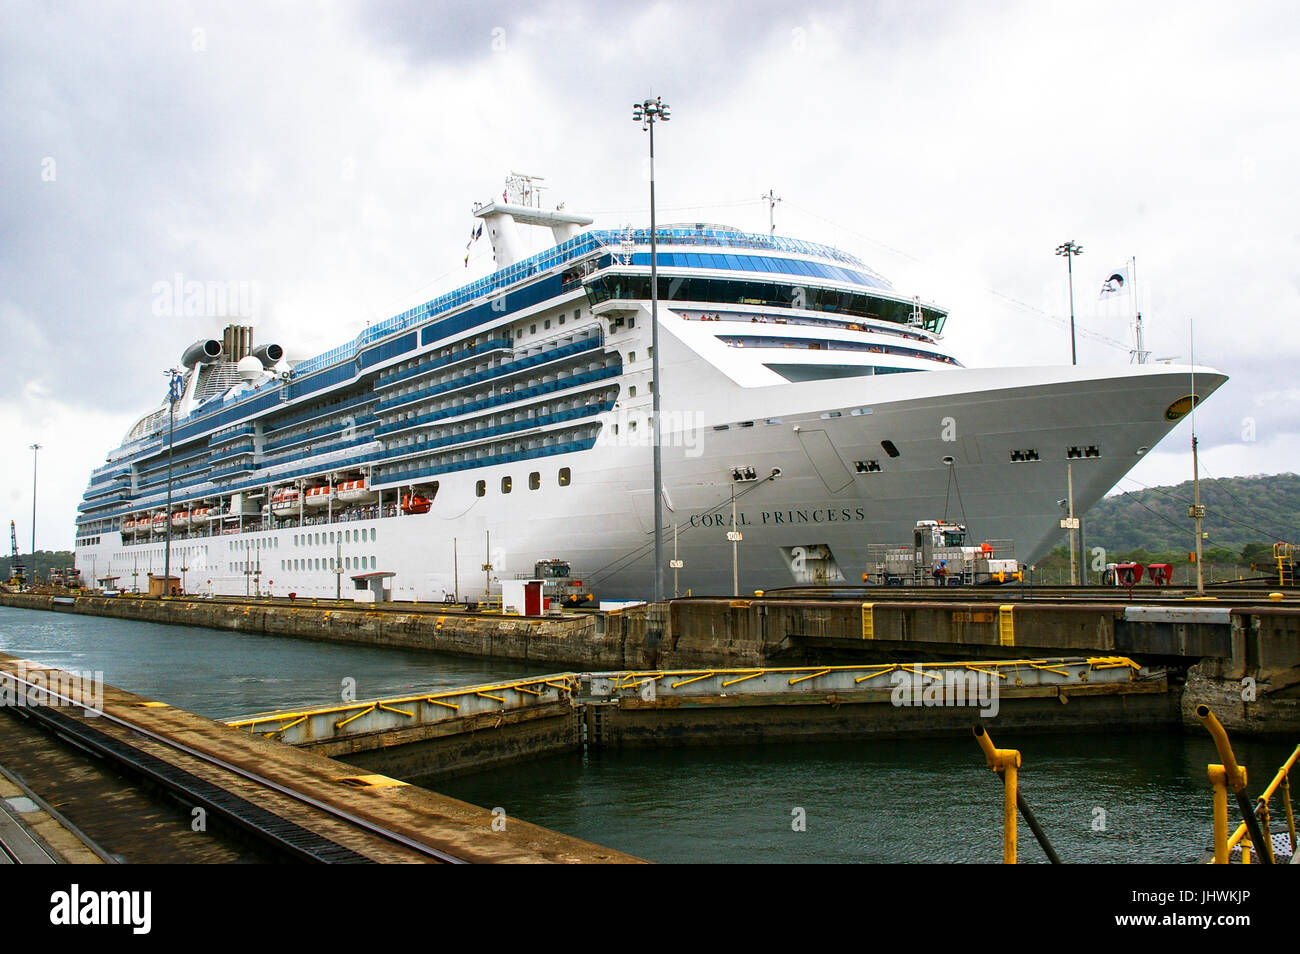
(508, 422)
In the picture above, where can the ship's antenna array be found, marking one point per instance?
(522, 189)
(771, 198)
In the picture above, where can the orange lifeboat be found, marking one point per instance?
(356, 492)
(284, 501)
(159, 523)
(317, 496)
(414, 503)
(198, 516)
(180, 519)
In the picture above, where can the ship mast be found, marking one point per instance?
(1138, 355)
(771, 198)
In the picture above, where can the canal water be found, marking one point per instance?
(1101, 797)
(224, 674)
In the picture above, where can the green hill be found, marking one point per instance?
(1239, 511)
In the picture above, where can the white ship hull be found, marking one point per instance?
(602, 521)
(520, 407)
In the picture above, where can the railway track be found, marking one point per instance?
(126, 749)
(1014, 592)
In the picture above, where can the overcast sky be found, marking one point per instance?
(328, 154)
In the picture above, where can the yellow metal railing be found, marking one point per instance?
(1254, 830)
(634, 678)
(277, 722)
(1281, 781)
(1005, 762)
(1284, 556)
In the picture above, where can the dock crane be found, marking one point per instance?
(17, 572)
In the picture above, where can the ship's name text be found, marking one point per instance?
(772, 518)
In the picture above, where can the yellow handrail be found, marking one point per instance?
(1007, 763)
(1280, 780)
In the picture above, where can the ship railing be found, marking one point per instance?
(576, 247)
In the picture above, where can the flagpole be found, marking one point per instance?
(1197, 509)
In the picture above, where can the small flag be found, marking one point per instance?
(177, 387)
(467, 260)
(1115, 283)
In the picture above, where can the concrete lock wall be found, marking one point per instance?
(1261, 644)
(1257, 689)
(566, 641)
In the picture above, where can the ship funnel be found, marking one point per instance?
(269, 355)
(237, 341)
(203, 351)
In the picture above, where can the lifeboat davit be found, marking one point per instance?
(198, 516)
(414, 503)
(356, 492)
(284, 501)
(317, 496)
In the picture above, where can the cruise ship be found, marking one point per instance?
(805, 403)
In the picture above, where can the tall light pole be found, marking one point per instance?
(1069, 250)
(173, 395)
(35, 448)
(646, 114)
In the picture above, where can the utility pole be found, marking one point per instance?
(1071, 522)
(646, 114)
(735, 536)
(338, 567)
(35, 448)
(1069, 250)
(1197, 509)
(676, 563)
(173, 396)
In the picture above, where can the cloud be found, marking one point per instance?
(331, 153)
